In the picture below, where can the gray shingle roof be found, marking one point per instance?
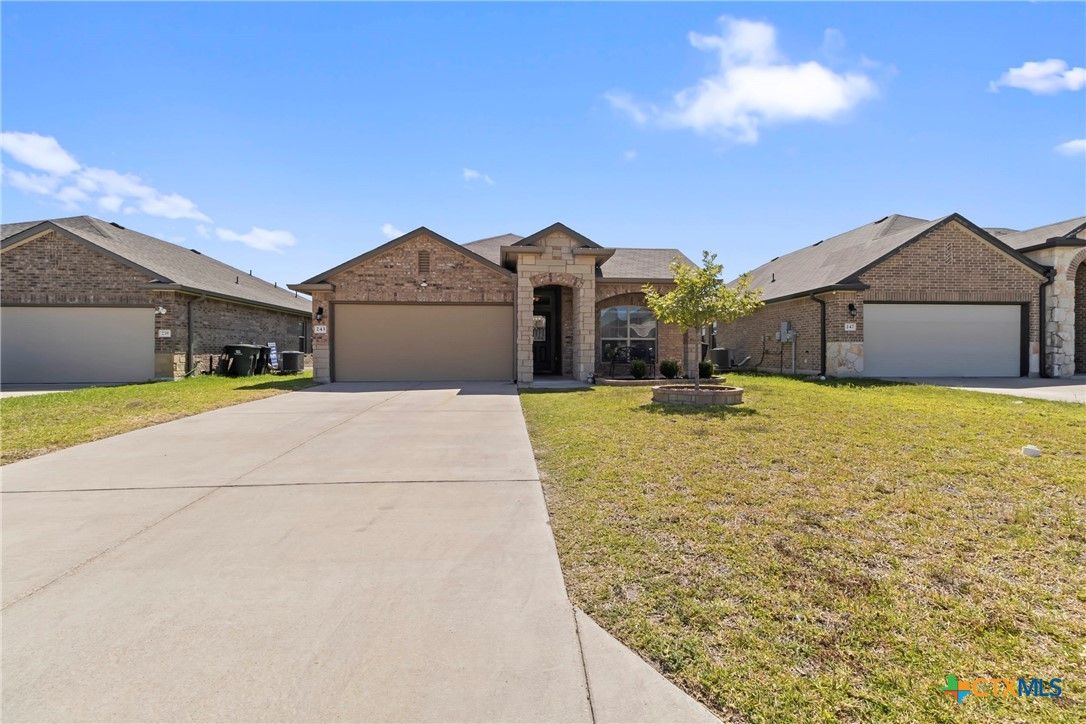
(1033, 237)
(626, 263)
(171, 263)
(490, 247)
(630, 263)
(832, 261)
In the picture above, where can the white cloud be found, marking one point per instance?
(391, 231)
(1045, 77)
(471, 174)
(754, 85)
(203, 231)
(42, 153)
(31, 183)
(622, 101)
(110, 203)
(262, 239)
(630, 155)
(66, 181)
(1072, 148)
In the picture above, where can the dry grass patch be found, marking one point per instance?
(828, 551)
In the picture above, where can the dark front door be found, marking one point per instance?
(546, 352)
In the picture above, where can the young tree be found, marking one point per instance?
(701, 297)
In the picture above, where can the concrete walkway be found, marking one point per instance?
(347, 553)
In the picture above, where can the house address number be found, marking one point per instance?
(164, 332)
(850, 326)
(320, 329)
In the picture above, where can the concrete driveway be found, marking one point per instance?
(1064, 389)
(356, 552)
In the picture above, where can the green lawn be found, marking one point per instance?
(828, 551)
(38, 424)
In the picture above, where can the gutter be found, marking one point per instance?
(821, 334)
(1042, 316)
(174, 287)
(190, 355)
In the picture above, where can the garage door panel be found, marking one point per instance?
(76, 344)
(942, 340)
(422, 342)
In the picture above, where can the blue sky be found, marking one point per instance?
(287, 138)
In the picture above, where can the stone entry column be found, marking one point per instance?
(523, 313)
(584, 330)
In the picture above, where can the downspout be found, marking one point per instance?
(821, 334)
(190, 366)
(1042, 316)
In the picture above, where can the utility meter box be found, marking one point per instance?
(787, 333)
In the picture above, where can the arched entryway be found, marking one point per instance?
(1078, 275)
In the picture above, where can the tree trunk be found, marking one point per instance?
(697, 359)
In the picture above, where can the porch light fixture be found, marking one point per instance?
(160, 310)
(320, 313)
(423, 284)
(851, 309)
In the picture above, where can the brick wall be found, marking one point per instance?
(753, 336)
(394, 277)
(54, 269)
(950, 264)
(1078, 321)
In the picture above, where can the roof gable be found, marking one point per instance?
(838, 262)
(558, 228)
(169, 266)
(324, 277)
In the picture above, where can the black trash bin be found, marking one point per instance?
(263, 359)
(291, 362)
(242, 359)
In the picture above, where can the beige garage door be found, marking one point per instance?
(942, 340)
(76, 344)
(419, 342)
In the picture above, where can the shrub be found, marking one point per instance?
(669, 368)
(705, 369)
(638, 368)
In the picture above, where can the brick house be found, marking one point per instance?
(422, 307)
(910, 297)
(85, 300)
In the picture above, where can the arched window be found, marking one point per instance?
(627, 327)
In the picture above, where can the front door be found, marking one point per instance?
(546, 353)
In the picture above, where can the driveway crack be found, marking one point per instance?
(75, 569)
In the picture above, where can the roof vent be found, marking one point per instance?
(114, 223)
(881, 220)
(775, 258)
(772, 277)
(817, 243)
(195, 252)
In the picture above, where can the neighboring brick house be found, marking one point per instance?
(85, 300)
(1062, 248)
(422, 307)
(897, 297)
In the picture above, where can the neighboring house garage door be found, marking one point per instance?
(76, 344)
(418, 342)
(942, 340)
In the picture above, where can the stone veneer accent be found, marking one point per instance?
(556, 264)
(53, 269)
(950, 264)
(1065, 302)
